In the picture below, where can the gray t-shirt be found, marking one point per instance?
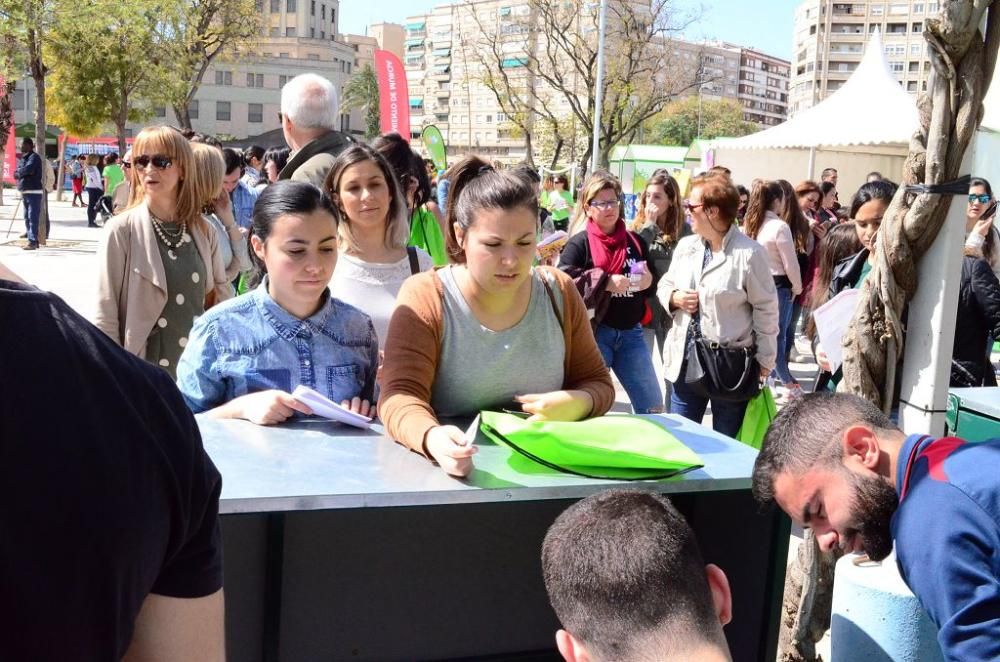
(483, 369)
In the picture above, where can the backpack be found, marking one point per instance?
(48, 177)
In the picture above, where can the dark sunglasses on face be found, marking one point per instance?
(981, 198)
(690, 207)
(159, 161)
(126, 165)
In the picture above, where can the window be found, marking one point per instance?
(877, 10)
(274, 32)
(255, 113)
(193, 110)
(312, 56)
(911, 86)
(918, 8)
(283, 55)
(255, 80)
(290, 32)
(896, 67)
(290, 6)
(899, 8)
(312, 8)
(223, 77)
(282, 79)
(275, 6)
(222, 111)
(312, 33)
(322, 34)
(914, 67)
(932, 7)
(917, 27)
(333, 16)
(322, 12)
(915, 49)
(160, 111)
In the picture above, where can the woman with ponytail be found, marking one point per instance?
(488, 331)
(246, 356)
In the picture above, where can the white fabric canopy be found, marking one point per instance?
(870, 109)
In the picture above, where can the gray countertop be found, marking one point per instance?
(317, 465)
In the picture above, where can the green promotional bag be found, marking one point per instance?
(761, 410)
(609, 447)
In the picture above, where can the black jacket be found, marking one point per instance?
(661, 253)
(847, 272)
(29, 172)
(978, 319)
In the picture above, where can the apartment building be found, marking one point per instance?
(758, 81)
(830, 39)
(240, 99)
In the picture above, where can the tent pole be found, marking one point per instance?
(812, 163)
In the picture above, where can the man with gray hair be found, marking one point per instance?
(309, 108)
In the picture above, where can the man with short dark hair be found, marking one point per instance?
(837, 464)
(29, 178)
(110, 546)
(625, 577)
(242, 196)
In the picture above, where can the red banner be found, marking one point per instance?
(393, 97)
(10, 157)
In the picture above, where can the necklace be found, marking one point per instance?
(171, 238)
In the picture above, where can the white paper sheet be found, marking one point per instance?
(323, 406)
(832, 320)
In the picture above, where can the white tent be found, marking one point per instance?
(865, 125)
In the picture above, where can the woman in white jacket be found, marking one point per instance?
(722, 277)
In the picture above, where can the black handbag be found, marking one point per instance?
(720, 373)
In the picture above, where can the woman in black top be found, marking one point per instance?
(660, 222)
(609, 263)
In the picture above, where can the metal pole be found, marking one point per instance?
(699, 112)
(595, 150)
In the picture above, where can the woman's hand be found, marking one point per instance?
(618, 284)
(821, 359)
(448, 446)
(359, 406)
(819, 229)
(686, 300)
(983, 226)
(557, 405)
(764, 372)
(268, 407)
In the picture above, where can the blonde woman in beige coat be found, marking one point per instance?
(159, 264)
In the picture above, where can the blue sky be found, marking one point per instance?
(766, 25)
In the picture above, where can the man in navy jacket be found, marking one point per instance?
(30, 183)
(837, 464)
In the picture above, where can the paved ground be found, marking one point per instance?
(67, 266)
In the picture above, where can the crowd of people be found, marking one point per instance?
(418, 296)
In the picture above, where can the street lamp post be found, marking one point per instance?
(595, 150)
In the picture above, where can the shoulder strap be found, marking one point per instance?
(552, 298)
(411, 252)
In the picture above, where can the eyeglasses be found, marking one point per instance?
(981, 198)
(126, 165)
(604, 204)
(281, 118)
(159, 161)
(690, 207)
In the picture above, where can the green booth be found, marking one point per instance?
(634, 164)
(974, 413)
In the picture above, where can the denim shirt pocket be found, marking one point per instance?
(343, 382)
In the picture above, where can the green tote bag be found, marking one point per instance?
(761, 410)
(609, 447)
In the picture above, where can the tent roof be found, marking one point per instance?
(664, 153)
(870, 109)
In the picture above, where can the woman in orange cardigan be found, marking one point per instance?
(489, 331)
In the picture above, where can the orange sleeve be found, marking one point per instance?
(585, 369)
(412, 348)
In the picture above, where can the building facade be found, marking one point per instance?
(830, 39)
(240, 99)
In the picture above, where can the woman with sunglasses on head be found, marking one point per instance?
(982, 236)
(612, 262)
(247, 355)
(660, 222)
(488, 331)
(161, 266)
(719, 286)
(374, 258)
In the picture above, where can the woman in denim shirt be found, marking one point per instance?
(245, 357)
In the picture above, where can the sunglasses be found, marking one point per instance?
(604, 204)
(981, 198)
(159, 161)
(126, 165)
(690, 207)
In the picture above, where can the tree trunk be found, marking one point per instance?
(183, 116)
(37, 68)
(529, 157)
(61, 174)
(556, 153)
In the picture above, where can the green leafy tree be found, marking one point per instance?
(679, 122)
(361, 93)
(206, 31)
(121, 74)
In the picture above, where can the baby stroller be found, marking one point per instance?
(105, 208)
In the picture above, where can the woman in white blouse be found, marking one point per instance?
(764, 225)
(374, 258)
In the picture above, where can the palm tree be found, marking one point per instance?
(361, 93)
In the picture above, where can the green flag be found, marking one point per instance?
(434, 143)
